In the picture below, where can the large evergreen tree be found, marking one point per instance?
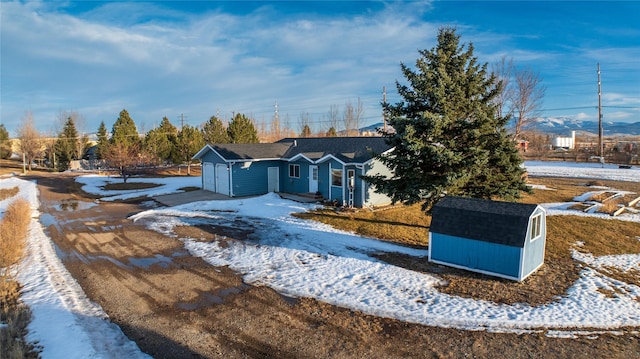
(124, 130)
(66, 147)
(449, 138)
(214, 131)
(189, 142)
(5, 143)
(161, 141)
(103, 140)
(242, 130)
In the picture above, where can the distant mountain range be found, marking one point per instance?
(563, 126)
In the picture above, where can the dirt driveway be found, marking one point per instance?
(177, 306)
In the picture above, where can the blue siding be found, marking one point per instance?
(336, 193)
(252, 180)
(473, 254)
(292, 184)
(324, 179)
(212, 157)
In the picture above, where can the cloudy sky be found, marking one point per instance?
(205, 58)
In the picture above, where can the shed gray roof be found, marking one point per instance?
(483, 220)
(346, 149)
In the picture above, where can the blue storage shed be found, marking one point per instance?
(502, 239)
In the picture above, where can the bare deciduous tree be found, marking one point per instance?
(352, 118)
(528, 95)
(503, 70)
(127, 158)
(333, 116)
(30, 140)
(304, 124)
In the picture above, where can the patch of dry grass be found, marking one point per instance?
(13, 230)
(610, 207)
(13, 314)
(8, 192)
(401, 224)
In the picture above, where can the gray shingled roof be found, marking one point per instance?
(251, 151)
(346, 149)
(483, 220)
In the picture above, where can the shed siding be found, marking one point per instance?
(473, 254)
(252, 180)
(535, 250)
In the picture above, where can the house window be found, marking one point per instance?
(294, 171)
(336, 177)
(536, 227)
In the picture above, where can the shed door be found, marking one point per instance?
(208, 177)
(273, 179)
(222, 179)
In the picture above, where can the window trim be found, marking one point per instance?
(536, 227)
(334, 177)
(294, 170)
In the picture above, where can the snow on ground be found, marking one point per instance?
(95, 183)
(304, 258)
(65, 323)
(582, 170)
(307, 259)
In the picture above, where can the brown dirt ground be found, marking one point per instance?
(177, 306)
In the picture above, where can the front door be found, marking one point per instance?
(313, 179)
(273, 179)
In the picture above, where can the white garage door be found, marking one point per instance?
(222, 179)
(208, 177)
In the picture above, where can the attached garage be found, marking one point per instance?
(208, 177)
(223, 179)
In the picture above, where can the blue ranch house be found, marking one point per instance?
(329, 168)
(502, 239)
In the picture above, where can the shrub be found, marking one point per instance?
(13, 231)
(14, 316)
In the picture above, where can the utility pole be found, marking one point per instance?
(182, 116)
(600, 131)
(384, 112)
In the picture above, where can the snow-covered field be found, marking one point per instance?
(303, 258)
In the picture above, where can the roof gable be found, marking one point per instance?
(484, 220)
(246, 151)
(344, 149)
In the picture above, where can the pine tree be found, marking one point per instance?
(242, 130)
(66, 147)
(189, 142)
(332, 132)
(5, 143)
(161, 141)
(306, 131)
(214, 131)
(103, 140)
(124, 130)
(448, 136)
